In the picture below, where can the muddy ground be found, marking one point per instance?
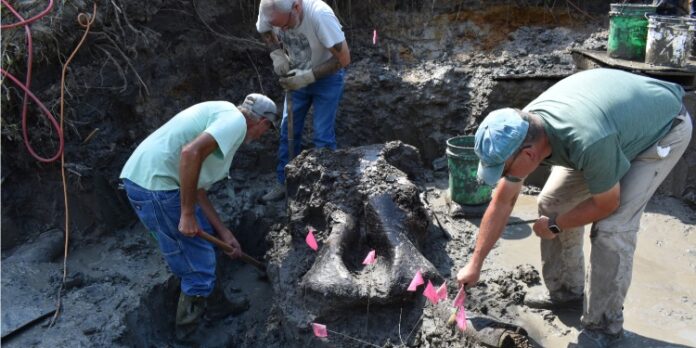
(436, 70)
(120, 293)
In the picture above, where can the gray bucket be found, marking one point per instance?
(691, 22)
(668, 41)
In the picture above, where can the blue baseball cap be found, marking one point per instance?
(498, 137)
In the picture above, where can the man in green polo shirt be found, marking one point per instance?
(612, 138)
(166, 180)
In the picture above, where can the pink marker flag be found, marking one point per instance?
(311, 241)
(461, 297)
(431, 293)
(374, 37)
(417, 280)
(442, 291)
(370, 258)
(319, 330)
(461, 318)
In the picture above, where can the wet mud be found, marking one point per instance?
(435, 71)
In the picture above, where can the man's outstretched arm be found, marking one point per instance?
(492, 225)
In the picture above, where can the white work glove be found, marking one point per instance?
(297, 79)
(281, 62)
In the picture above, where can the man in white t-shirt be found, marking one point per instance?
(309, 52)
(166, 180)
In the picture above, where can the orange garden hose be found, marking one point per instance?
(86, 22)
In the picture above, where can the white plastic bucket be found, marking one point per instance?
(691, 22)
(668, 41)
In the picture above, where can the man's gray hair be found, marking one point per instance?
(535, 130)
(266, 7)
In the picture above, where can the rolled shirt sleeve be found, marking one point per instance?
(228, 132)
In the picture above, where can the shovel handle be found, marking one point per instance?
(291, 125)
(244, 257)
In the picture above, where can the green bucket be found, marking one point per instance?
(462, 161)
(628, 30)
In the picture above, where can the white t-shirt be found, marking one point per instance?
(308, 44)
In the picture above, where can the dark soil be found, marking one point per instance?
(436, 70)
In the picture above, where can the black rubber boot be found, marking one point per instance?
(189, 312)
(219, 306)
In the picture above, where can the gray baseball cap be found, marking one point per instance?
(262, 106)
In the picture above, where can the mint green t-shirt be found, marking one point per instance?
(154, 164)
(599, 120)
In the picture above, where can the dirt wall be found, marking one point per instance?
(436, 69)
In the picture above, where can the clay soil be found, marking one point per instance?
(435, 71)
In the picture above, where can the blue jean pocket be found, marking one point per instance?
(173, 254)
(158, 222)
(145, 210)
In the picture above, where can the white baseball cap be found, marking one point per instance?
(262, 106)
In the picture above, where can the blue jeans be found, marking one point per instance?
(325, 94)
(191, 259)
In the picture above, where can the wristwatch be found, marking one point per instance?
(552, 225)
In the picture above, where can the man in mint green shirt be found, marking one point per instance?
(166, 180)
(612, 138)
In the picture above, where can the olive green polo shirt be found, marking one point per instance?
(599, 120)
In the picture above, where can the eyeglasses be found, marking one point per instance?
(286, 26)
(287, 22)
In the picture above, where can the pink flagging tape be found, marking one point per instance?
(430, 293)
(442, 292)
(417, 280)
(311, 241)
(461, 318)
(370, 258)
(319, 330)
(374, 37)
(461, 297)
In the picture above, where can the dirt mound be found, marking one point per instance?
(435, 70)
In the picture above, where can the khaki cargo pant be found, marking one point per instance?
(613, 239)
